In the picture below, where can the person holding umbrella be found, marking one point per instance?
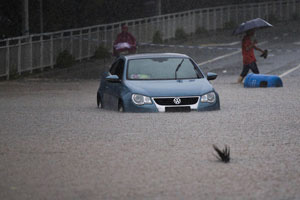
(249, 60)
(249, 45)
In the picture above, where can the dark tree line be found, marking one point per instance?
(10, 18)
(68, 14)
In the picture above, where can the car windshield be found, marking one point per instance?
(162, 69)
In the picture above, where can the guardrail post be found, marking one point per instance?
(197, 19)
(30, 54)
(273, 8)
(215, 19)
(228, 13)
(157, 26)
(221, 17)
(19, 56)
(188, 22)
(7, 60)
(146, 31)
(194, 22)
(287, 10)
(104, 35)
(267, 10)
(174, 26)
(62, 41)
(80, 45)
(184, 22)
(237, 14)
(244, 12)
(165, 27)
(112, 35)
(140, 31)
(98, 37)
(191, 19)
(71, 43)
(280, 11)
(168, 27)
(51, 52)
(89, 43)
(42, 53)
(207, 19)
(171, 27)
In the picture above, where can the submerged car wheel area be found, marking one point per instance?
(158, 82)
(99, 102)
(120, 107)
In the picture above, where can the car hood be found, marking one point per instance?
(164, 88)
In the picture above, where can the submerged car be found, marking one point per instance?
(160, 82)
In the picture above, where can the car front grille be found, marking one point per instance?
(178, 109)
(170, 101)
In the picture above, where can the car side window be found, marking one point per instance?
(117, 68)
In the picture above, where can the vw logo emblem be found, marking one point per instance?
(177, 100)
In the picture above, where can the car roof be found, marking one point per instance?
(155, 55)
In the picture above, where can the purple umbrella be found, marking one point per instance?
(251, 24)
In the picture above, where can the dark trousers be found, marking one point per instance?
(251, 66)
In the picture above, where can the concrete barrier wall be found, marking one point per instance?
(23, 54)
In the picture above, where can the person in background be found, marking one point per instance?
(124, 42)
(249, 60)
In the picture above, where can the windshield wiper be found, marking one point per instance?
(177, 68)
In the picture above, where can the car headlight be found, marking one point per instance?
(140, 99)
(208, 98)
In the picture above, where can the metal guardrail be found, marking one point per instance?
(37, 51)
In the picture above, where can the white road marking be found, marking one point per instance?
(297, 43)
(289, 71)
(233, 43)
(220, 57)
(226, 55)
(220, 44)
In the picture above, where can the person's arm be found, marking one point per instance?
(258, 49)
(249, 44)
(253, 45)
(132, 39)
(118, 39)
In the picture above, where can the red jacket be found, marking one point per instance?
(125, 37)
(248, 56)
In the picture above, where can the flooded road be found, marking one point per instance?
(56, 144)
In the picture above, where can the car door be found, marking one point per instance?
(114, 89)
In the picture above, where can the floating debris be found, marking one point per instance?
(223, 155)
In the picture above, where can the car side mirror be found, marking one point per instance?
(113, 79)
(211, 76)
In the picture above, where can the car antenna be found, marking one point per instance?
(178, 66)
